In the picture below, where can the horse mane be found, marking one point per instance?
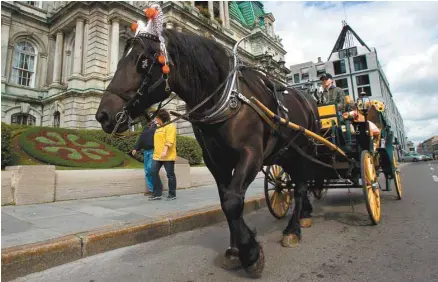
(201, 64)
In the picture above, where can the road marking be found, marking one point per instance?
(435, 178)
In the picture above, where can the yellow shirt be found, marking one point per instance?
(165, 136)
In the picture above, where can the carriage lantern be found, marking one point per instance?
(363, 102)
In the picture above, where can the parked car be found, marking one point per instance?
(412, 158)
(427, 157)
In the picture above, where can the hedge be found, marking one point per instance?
(7, 152)
(66, 147)
(186, 147)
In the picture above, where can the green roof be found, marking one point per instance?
(246, 12)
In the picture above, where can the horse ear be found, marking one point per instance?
(143, 63)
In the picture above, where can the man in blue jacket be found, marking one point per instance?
(146, 142)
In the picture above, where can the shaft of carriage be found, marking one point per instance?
(296, 127)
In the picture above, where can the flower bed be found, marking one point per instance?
(68, 148)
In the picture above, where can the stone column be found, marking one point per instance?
(193, 3)
(114, 44)
(58, 57)
(79, 42)
(210, 9)
(43, 64)
(6, 24)
(222, 11)
(227, 14)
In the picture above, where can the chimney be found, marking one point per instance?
(319, 60)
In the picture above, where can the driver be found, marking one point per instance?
(334, 93)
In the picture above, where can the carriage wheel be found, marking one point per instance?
(396, 176)
(278, 194)
(370, 186)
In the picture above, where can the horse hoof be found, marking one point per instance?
(231, 260)
(306, 222)
(290, 241)
(255, 270)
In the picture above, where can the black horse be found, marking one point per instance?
(236, 147)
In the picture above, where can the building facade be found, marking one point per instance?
(58, 57)
(355, 68)
(428, 146)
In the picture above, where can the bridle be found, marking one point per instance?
(133, 105)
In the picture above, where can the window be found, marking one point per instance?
(345, 53)
(34, 3)
(56, 119)
(320, 70)
(360, 63)
(305, 74)
(362, 80)
(342, 83)
(366, 89)
(23, 68)
(23, 119)
(339, 67)
(297, 78)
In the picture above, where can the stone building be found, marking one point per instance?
(355, 67)
(428, 146)
(58, 57)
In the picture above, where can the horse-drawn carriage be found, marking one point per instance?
(351, 139)
(242, 125)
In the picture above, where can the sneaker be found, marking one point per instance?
(171, 197)
(152, 198)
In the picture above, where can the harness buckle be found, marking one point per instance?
(233, 103)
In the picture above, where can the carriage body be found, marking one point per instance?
(367, 159)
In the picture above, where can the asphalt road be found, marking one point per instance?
(340, 246)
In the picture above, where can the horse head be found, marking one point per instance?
(140, 78)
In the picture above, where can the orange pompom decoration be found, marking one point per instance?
(166, 69)
(161, 59)
(134, 26)
(150, 13)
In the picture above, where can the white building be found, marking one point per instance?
(58, 57)
(355, 68)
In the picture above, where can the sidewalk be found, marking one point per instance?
(35, 223)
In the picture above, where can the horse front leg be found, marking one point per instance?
(292, 233)
(222, 175)
(306, 213)
(249, 250)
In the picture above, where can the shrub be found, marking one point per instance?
(65, 147)
(6, 145)
(188, 148)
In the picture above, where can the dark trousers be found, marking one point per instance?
(169, 166)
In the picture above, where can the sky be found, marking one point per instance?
(405, 35)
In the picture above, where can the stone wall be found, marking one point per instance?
(21, 186)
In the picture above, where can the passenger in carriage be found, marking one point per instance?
(332, 93)
(357, 116)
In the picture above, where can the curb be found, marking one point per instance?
(22, 260)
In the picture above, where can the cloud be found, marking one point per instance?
(405, 35)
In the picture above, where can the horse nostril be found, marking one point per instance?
(102, 117)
